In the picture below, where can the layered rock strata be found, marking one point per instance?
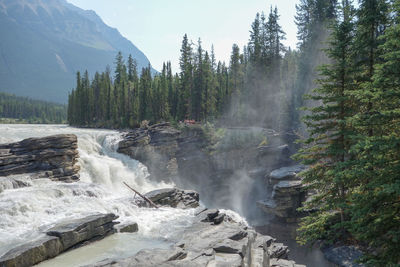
(51, 157)
(287, 193)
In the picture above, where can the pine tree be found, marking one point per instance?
(186, 80)
(372, 18)
(197, 99)
(327, 149)
(376, 205)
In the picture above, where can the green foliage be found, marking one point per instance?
(14, 109)
(353, 151)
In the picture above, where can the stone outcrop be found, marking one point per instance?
(190, 158)
(287, 193)
(205, 243)
(174, 197)
(73, 233)
(154, 146)
(51, 157)
(63, 236)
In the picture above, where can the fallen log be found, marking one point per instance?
(144, 197)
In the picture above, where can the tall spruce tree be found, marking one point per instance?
(376, 202)
(186, 80)
(327, 149)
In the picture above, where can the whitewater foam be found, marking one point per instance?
(28, 211)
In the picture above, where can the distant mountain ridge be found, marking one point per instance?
(44, 42)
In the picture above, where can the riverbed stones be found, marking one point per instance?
(174, 197)
(52, 157)
(63, 236)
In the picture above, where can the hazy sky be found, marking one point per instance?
(157, 26)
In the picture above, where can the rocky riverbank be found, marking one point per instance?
(62, 237)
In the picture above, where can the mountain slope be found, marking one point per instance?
(44, 42)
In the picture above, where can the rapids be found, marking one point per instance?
(26, 212)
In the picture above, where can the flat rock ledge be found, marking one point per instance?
(212, 241)
(62, 237)
(174, 197)
(287, 194)
(51, 157)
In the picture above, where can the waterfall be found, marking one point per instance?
(28, 211)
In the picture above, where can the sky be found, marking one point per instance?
(157, 27)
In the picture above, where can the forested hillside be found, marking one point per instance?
(253, 89)
(26, 110)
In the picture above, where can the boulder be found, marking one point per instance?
(73, 233)
(127, 228)
(33, 252)
(51, 157)
(174, 197)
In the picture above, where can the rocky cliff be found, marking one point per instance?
(228, 167)
(52, 157)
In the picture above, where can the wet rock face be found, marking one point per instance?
(287, 193)
(63, 236)
(174, 197)
(51, 157)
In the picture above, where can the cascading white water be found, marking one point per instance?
(28, 211)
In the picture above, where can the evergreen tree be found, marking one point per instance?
(186, 80)
(327, 149)
(376, 206)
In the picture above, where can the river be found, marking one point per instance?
(27, 212)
